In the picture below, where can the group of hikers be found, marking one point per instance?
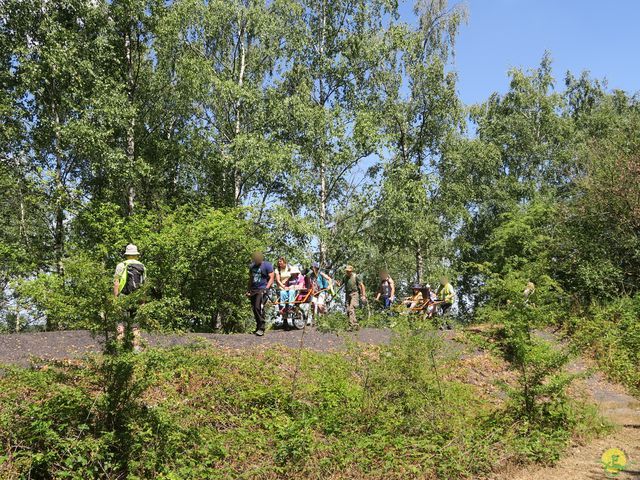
(312, 287)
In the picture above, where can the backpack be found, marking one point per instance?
(134, 276)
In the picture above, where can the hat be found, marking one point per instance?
(315, 265)
(131, 250)
(294, 270)
(349, 268)
(427, 286)
(416, 286)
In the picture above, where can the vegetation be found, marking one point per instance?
(320, 130)
(391, 412)
(158, 124)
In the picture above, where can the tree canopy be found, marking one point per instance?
(325, 130)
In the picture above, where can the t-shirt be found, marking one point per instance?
(385, 287)
(298, 283)
(351, 283)
(284, 274)
(320, 282)
(260, 275)
(447, 293)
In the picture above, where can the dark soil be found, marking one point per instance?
(26, 348)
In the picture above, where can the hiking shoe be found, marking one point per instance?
(259, 333)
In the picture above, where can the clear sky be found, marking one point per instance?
(596, 35)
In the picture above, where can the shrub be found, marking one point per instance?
(81, 298)
(196, 269)
(538, 407)
(611, 334)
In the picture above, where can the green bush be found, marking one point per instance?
(81, 298)
(195, 412)
(611, 334)
(196, 269)
(538, 404)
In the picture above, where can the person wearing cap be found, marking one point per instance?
(129, 277)
(321, 284)
(261, 277)
(386, 290)
(354, 291)
(415, 298)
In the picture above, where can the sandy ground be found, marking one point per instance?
(583, 462)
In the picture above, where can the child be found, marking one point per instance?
(415, 298)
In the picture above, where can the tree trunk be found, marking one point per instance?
(58, 230)
(419, 264)
(323, 210)
(23, 221)
(321, 161)
(237, 178)
(131, 127)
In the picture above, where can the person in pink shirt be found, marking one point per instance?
(294, 284)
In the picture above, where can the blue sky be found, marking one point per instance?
(599, 36)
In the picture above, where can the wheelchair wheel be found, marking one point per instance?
(298, 318)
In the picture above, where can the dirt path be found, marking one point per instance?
(21, 349)
(583, 462)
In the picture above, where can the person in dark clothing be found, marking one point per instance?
(261, 276)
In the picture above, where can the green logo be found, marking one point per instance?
(614, 461)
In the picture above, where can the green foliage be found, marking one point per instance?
(611, 334)
(197, 264)
(599, 253)
(538, 406)
(81, 299)
(196, 268)
(190, 412)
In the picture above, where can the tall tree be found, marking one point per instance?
(223, 58)
(338, 49)
(423, 113)
(523, 150)
(57, 59)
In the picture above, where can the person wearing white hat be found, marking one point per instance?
(129, 277)
(295, 282)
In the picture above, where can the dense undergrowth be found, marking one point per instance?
(197, 412)
(611, 335)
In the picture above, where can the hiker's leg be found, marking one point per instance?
(284, 297)
(311, 319)
(445, 312)
(292, 296)
(322, 303)
(258, 308)
(352, 303)
(135, 331)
